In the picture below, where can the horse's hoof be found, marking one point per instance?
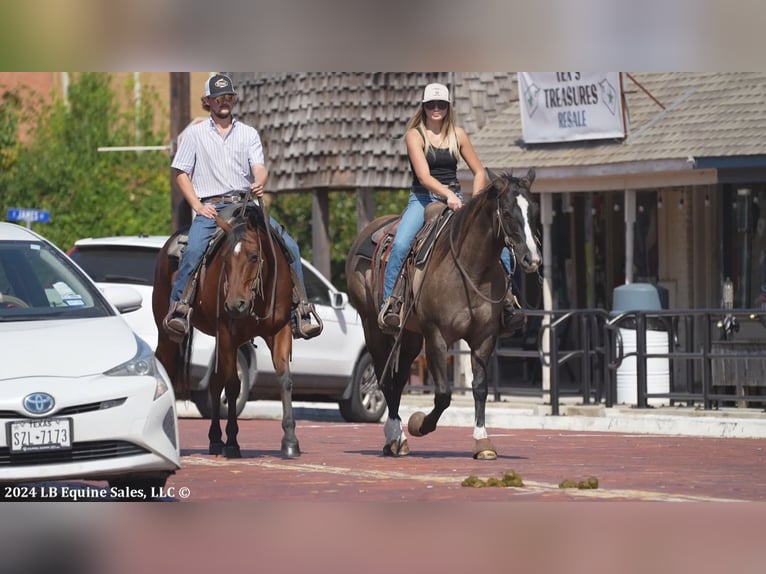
(291, 450)
(231, 452)
(215, 448)
(415, 422)
(396, 448)
(483, 450)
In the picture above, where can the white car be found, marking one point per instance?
(81, 396)
(335, 366)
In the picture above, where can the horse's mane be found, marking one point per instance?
(465, 217)
(249, 215)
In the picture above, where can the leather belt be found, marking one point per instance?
(221, 199)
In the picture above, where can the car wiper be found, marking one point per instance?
(124, 279)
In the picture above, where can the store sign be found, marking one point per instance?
(570, 106)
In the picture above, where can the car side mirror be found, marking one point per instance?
(338, 300)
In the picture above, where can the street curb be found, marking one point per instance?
(501, 415)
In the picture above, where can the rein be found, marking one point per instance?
(464, 273)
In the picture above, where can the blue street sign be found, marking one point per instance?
(28, 215)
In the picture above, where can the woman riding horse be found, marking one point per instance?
(458, 293)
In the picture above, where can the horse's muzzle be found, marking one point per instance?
(238, 308)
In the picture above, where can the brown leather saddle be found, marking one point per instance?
(436, 217)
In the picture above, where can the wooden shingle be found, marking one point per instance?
(343, 130)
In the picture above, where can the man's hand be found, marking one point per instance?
(257, 189)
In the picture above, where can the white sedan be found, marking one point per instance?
(81, 396)
(335, 366)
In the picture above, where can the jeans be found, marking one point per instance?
(410, 224)
(202, 229)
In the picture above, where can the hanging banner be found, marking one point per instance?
(570, 106)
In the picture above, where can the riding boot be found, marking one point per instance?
(388, 318)
(302, 326)
(176, 322)
(514, 317)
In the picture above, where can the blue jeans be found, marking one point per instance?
(410, 224)
(202, 229)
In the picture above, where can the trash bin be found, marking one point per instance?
(642, 297)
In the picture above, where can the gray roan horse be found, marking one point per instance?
(456, 294)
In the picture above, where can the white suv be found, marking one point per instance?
(335, 366)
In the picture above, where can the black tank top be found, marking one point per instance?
(441, 164)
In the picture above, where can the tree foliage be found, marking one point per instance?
(293, 210)
(89, 193)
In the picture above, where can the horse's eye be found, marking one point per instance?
(254, 258)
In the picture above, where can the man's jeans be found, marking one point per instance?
(202, 229)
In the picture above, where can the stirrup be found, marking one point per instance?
(388, 318)
(176, 322)
(513, 317)
(303, 328)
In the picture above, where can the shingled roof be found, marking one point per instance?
(343, 130)
(707, 117)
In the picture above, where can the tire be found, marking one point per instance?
(366, 403)
(202, 398)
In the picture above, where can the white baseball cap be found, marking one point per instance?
(435, 92)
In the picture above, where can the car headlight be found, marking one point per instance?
(143, 364)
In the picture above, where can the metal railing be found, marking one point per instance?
(709, 362)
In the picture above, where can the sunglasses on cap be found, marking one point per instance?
(436, 104)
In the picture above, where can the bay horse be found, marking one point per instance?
(244, 291)
(457, 293)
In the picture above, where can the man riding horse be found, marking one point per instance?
(216, 160)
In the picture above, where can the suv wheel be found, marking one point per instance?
(366, 403)
(202, 398)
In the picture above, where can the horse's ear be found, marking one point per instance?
(529, 179)
(491, 175)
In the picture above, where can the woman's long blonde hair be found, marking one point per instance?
(448, 133)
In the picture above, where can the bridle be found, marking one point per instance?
(501, 228)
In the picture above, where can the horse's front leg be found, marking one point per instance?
(483, 448)
(232, 389)
(281, 348)
(215, 386)
(436, 356)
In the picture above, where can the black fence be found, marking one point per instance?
(702, 358)
(706, 358)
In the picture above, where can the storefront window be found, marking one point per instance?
(744, 244)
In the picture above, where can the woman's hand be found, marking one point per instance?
(454, 202)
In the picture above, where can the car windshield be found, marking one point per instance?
(117, 264)
(37, 282)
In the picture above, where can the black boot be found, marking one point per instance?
(514, 317)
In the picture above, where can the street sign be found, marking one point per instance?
(28, 215)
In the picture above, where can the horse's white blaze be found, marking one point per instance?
(479, 433)
(529, 238)
(392, 430)
(238, 248)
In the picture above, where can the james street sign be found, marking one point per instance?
(28, 215)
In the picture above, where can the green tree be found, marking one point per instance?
(91, 193)
(293, 210)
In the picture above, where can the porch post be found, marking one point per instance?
(630, 223)
(546, 219)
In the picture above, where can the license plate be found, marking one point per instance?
(40, 434)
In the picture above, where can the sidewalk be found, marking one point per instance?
(530, 413)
